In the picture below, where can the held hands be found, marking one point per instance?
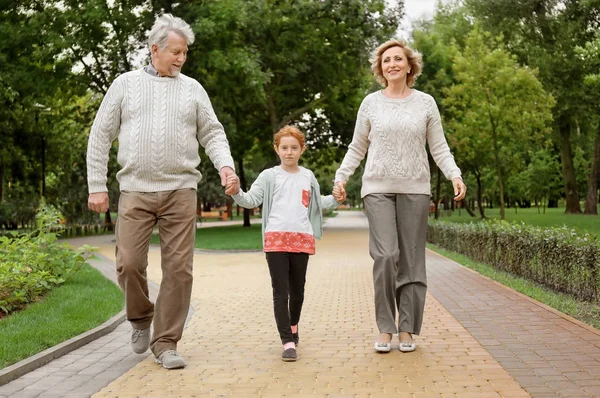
(229, 180)
(98, 202)
(232, 186)
(460, 189)
(339, 191)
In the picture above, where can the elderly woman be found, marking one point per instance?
(394, 125)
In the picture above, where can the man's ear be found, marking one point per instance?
(154, 49)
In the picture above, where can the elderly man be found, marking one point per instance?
(160, 117)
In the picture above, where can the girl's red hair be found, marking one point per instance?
(289, 131)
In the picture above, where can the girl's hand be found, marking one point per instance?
(339, 193)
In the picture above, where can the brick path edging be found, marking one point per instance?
(38, 360)
(531, 300)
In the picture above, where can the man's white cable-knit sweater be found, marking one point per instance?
(159, 121)
(395, 131)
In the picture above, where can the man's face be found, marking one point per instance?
(169, 60)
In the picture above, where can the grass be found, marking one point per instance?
(234, 237)
(583, 311)
(554, 217)
(85, 301)
(235, 217)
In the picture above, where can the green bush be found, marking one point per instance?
(555, 257)
(32, 264)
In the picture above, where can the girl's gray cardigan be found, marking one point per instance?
(262, 189)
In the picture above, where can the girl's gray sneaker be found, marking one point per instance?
(170, 359)
(289, 355)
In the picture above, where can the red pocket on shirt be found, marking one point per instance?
(305, 197)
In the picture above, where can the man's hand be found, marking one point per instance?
(231, 187)
(98, 202)
(460, 189)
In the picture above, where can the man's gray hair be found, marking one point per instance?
(168, 23)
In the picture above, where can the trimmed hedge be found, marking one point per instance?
(558, 258)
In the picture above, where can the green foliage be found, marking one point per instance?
(547, 35)
(496, 107)
(542, 177)
(555, 257)
(296, 62)
(34, 263)
(85, 301)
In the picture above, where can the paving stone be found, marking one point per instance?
(478, 338)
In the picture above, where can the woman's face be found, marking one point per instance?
(394, 65)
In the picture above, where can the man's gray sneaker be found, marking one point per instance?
(170, 359)
(140, 340)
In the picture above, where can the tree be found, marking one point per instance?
(543, 177)
(544, 34)
(590, 54)
(496, 105)
(438, 41)
(30, 70)
(269, 63)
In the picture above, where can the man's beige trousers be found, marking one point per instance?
(175, 214)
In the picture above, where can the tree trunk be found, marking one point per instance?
(501, 189)
(568, 169)
(591, 200)
(468, 208)
(107, 220)
(480, 195)
(438, 188)
(242, 177)
(229, 204)
(1, 181)
(499, 170)
(500, 181)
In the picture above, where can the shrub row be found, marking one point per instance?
(34, 263)
(558, 258)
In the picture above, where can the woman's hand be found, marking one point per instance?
(339, 191)
(460, 189)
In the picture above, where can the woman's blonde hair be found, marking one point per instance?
(415, 61)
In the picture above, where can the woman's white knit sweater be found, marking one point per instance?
(159, 122)
(395, 133)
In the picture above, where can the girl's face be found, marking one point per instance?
(289, 151)
(394, 64)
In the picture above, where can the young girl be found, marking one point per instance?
(291, 220)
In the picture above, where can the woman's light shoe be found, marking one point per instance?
(407, 346)
(383, 347)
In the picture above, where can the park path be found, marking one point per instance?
(479, 339)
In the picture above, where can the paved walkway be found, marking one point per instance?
(479, 339)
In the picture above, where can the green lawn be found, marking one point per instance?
(234, 237)
(85, 301)
(553, 217)
(584, 311)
